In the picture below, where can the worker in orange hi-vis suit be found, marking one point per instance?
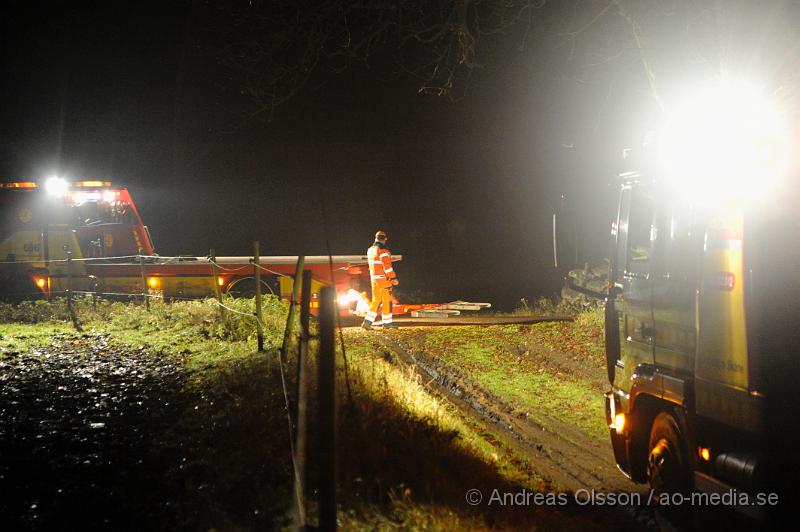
(383, 278)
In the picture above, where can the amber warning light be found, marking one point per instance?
(93, 184)
(42, 283)
(24, 184)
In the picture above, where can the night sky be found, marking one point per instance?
(465, 186)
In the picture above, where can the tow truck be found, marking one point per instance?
(91, 231)
(702, 296)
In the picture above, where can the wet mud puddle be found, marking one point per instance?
(85, 434)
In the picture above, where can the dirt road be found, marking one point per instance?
(565, 456)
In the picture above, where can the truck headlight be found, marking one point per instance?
(56, 186)
(619, 423)
(727, 142)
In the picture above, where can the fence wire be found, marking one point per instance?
(166, 259)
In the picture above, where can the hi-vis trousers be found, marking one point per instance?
(381, 296)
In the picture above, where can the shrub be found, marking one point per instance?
(592, 319)
(34, 311)
(200, 317)
(549, 306)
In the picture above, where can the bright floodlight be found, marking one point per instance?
(56, 186)
(349, 297)
(724, 143)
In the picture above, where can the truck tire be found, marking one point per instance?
(668, 470)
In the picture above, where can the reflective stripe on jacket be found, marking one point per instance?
(380, 263)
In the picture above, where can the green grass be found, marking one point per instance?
(18, 337)
(427, 452)
(547, 370)
(405, 388)
(406, 456)
(190, 330)
(195, 332)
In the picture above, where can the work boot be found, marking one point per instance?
(367, 325)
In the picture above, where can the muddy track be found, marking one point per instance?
(560, 453)
(82, 444)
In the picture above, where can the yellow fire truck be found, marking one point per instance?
(705, 269)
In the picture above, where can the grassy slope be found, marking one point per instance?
(406, 458)
(406, 389)
(546, 370)
(426, 453)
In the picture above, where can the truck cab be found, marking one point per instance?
(701, 314)
(692, 318)
(41, 223)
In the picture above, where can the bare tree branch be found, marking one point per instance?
(271, 49)
(636, 30)
(591, 22)
(274, 47)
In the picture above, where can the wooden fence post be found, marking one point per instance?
(301, 431)
(212, 254)
(69, 283)
(144, 280)
(70, 308)
(257, 268)
(302, 352)
(93, 288)
(327, 410)
(287, 333)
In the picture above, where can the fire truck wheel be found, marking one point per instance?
(668, 471)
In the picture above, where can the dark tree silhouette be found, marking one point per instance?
(274, 48)
(270, 50)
